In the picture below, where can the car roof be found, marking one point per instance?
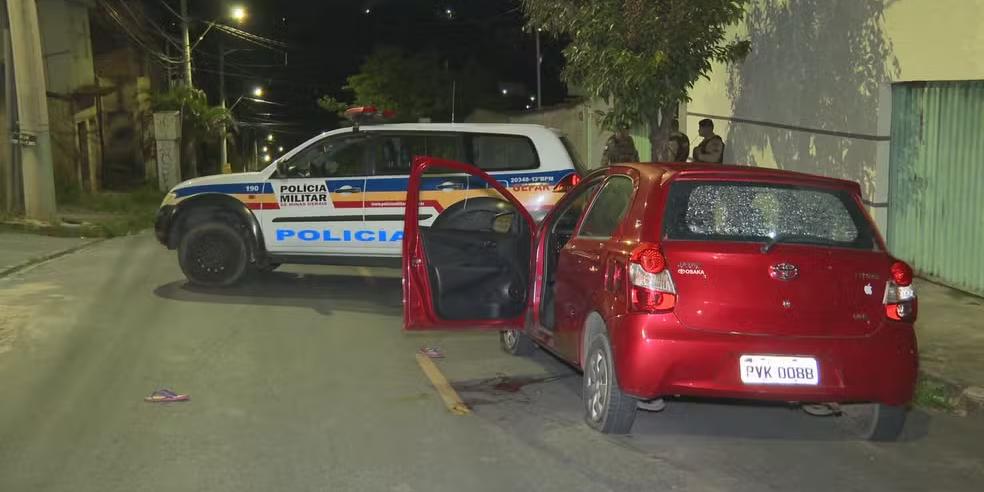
(662, 171)
(507, 128)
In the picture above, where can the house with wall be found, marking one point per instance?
(887, 93)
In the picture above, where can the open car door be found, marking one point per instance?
(468, 268)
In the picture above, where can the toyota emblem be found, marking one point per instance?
(783, 271)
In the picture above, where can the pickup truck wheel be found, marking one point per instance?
(606, 408)
(213, 255)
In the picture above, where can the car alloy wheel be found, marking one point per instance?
(597, 385)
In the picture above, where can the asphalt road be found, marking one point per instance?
(302, 380)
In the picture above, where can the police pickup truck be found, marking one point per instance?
(340, 197)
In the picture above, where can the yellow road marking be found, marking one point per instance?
(443, 387)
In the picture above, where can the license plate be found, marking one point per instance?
(770, 369)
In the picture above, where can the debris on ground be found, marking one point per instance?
(433, 352)
(166, 396)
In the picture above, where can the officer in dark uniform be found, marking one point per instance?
(619, 149)
(678, 145)
(711, 149)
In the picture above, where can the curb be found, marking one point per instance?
(953, 395)
(46, 258)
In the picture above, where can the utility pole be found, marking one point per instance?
(223, 145)
(187, 43)
(9, 176)
(32, 134)
(539, 90)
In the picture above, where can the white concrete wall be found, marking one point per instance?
(66, 44)
(815, 93)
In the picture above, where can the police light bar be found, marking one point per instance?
(367, 114)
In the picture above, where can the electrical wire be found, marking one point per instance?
(118, 19)
(143, 16)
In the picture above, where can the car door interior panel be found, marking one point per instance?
(477, 274)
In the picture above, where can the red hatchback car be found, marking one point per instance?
(678, 280)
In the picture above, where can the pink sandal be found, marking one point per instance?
(165, 396)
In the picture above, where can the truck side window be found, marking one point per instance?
(333, 157)
(395, 151)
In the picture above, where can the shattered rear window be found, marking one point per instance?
(759, 212)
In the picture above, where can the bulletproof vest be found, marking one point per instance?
(701, 148)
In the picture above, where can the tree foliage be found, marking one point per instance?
(641, 55)
(415, 85)
(203, 120)
(200, 122)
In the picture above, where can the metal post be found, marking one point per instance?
(9, 163)
(454, 84)
(34, 140)
(187, 43)
(223, 146)
(256, 150)
(539, 89)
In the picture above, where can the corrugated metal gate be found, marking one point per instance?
(936, 192)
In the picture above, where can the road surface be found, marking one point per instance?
(302, 380)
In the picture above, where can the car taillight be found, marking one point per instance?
(901, 274)
(650, 284)
(568, 183)
(900, 294)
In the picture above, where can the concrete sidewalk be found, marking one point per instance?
(950, 329)
(18, 250)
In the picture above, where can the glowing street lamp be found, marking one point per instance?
(258, 91)
(267, 158)
(238, 13)
(270, 137)
(266, 149)
(280, 149)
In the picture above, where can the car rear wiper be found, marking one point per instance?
(784, 238)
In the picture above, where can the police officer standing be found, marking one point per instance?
(619, 148)
(711, 149)
(678, 145)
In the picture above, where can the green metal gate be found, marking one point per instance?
(936, 191)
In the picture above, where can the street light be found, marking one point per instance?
(270, 137)
(238, 13)
(505, 92)
(280, 149)
(266, 158)
(258, 91)
(265, 149)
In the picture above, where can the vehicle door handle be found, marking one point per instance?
(450, 185)
(348, 189)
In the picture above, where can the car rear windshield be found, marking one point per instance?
(762, 212)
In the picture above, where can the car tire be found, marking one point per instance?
(515, 342)
(213, 254)
(875, 421)
(606, 408)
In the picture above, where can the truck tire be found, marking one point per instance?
(213, 254)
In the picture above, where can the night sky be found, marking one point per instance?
(329, 39)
